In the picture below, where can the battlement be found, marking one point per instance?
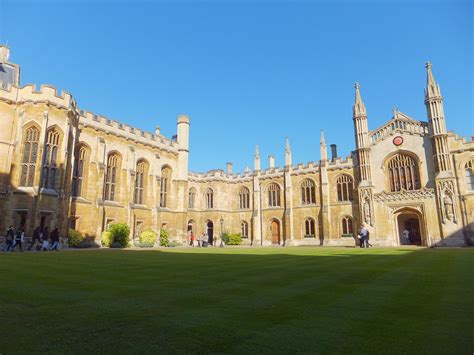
(46, 94)
(119, 129)
(402, 123)
(341, 162)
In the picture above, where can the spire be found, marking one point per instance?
(395, 112)
(322, 147)
(359, 107)
(432, 88)
(256, 161)
(287, 152)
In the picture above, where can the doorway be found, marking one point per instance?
(275, 228)
(210, 231)
(409, 224)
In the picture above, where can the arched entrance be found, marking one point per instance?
(275, 230)
(210, 231)
(409, 223)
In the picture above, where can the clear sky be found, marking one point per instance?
(248, 72)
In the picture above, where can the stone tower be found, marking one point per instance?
(365, 187)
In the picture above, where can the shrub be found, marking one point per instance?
(175, 243)
(74, 238)
(232, 239)
(120, 235)
(88, 242)
(107, 239)
(147, 239)
(348, 235)
(164, 234)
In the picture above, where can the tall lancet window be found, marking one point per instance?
(192, 198)
(50, 158)
(140, 182)
(30, 156)
(345, 185)
(165, 186)
(469, 173)
(111, 177)
(244, 198)
(209, 198)
(274, 195)
(78, 171)
(403, 173)
(308, 192)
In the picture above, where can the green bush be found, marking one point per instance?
(74, 238)
(232, 239)
(164, 235)
(348, 235)
(174, 243)
(120, 234)
(146, 239)
(107, 239)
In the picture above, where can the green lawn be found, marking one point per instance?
(242, 300)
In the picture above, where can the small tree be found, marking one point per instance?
(74, 238)
(120, 234)
(147, 239)
(164, 234)
(107, 239)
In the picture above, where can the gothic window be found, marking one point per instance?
(309, 228)
(192, 198)
(50, 158)
(244, 198)
(30, 155)
(469, 173)
(111, 176)
(140, 181)
(209, 198)
(345, 186)
(244, 229)
(165, 186)
(274, 195)
(78, 171)
(347, 226)
(308, 192)
(403, 173)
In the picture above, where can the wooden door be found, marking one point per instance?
(275, 232)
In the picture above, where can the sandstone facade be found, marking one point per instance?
(64, 166)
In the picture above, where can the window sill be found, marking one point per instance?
(48, 192)
(110, 203)
(26, 190)
(79, 199)
(139, 207)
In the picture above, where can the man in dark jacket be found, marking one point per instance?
(45, 238)
(19, 238)
(9, 238)
(36, 237)
(55, 239)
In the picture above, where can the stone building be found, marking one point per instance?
(61, 165)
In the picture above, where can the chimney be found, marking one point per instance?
(333, 152)
(4, 54)
(271, 160)
(157, 130)
(229, 168)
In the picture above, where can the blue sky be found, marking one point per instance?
(248, 72)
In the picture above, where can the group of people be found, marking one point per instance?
(42, 239)
(203, 240)
(363, 237)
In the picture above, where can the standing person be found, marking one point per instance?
(9, 238)
(193, 238)
(45, 239)
(36, 238)
(205, 239)
(19, 238)
(55, 239)
(364, 233)
(366, 239)
(406, 236)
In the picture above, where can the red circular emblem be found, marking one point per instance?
(398, 141)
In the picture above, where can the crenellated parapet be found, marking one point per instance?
(220, 175)
(401, 124)
(109, 126)
(30, 94)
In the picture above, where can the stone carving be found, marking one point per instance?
(446, 201)
(405, 195)
(365, 196)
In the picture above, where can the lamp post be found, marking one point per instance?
(222, 228)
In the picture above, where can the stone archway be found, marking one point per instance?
(210, 231)
(409, 222)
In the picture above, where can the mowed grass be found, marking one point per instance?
(267, 300)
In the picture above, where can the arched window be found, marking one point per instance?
(309, 228)
(345, 186)
(192, 198)
(111, 176)
(140, 182)
(165, 186)
(347, 230)
(244, 198)
(209, 198)
(308, 192)
(469, 173)
(403, 173)
(30, 155)
(50, 158)
(78, 171)
(244, 229)
(274, 195)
